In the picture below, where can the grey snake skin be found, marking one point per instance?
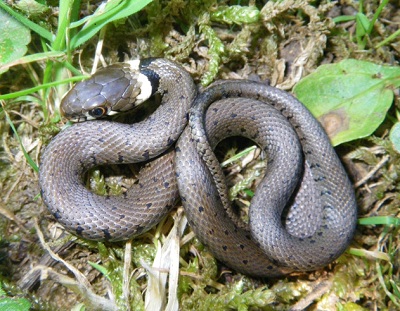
(303, 214)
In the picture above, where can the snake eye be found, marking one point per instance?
(98, 112)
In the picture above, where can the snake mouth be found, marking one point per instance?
(80, 118)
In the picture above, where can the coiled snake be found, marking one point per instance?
(304, 175)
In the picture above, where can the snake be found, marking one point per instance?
(303, 213)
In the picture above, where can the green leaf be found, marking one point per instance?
(100, 268)
(350, 99)
(394, 136)
(44, 33)
(8, 304)
(362, 23)
(13, 40)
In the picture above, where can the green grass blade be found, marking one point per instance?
(32, 58)
(380, 220)
(114, 10)
(27, 156)
(40, 87)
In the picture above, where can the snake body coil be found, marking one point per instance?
(304, 175)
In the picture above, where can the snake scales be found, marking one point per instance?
(304, 175)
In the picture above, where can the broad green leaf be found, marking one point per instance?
(20, 304)
(350, 98)
(394, 136)
(44, 33)
(13, 40)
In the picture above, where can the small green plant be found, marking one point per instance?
(364, 26)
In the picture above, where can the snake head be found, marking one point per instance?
(113, 89)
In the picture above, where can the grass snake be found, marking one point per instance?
(304, 181)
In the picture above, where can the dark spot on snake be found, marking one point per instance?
(229, 131)
(324, 192)
(166, 185)
(79, 230)
(145, 155)
(155, 179)
(139, 229)
(177, 174)
(211, 231)
(177, 149)
(224, 247)
(170, 141)
(301, 239)
(320, 233)
(122, 216)
(320, 178)
(270, 267)
(312, 241)
(255, 135)
(233, 115)
(101, 140)
(215, 122)
(141, 185)
(241, 246)
(120, 158)
(215, 109)
(94, 160)
(201, 209)
(148, 205)
(248, 237)
(243, 130)
(107, 234)
(114, 208)
(245, 262)
(226, 232)
(57, 215)
(107, 197)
